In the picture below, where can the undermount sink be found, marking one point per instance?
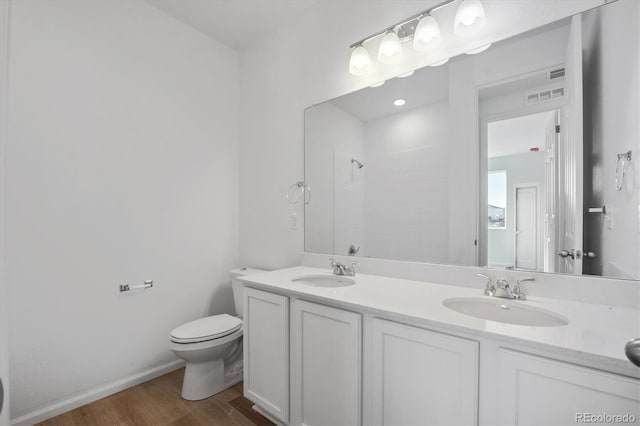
(326, 280)
(503, 310)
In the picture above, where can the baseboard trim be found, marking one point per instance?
(262, 412)
(94, 394)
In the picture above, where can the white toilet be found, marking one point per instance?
(212, 347)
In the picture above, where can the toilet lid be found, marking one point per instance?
(208, 328)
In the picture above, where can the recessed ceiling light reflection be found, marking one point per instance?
(399, 102)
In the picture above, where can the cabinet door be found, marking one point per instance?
(540, 391)
(422, 377)
(326, 361)
(266, 351)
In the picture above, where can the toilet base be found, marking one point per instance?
(205, 379)
(212, 365)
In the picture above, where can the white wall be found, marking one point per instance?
(335, 210)
(407, 190)
(306, 62)
(121, 166)
(611, 42)
(463, 162)
(4, 303)
(521, 169)
(349, 190)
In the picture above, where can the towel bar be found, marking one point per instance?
(127, 287)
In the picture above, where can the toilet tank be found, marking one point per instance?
(238, 286)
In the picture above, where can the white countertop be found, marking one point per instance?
(596, 333)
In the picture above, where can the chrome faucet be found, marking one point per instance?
(502, 289)
(342, 269)
(490, 288)
(518, 290)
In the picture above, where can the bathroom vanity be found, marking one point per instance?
(382, 350)
(501, 162)
(429, 180)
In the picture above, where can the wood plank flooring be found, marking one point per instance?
(158, 403)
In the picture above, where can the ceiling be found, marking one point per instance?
(236, 23)
(518, 135)
(528, 84)
(425, 86)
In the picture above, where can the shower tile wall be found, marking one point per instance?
(407, 192)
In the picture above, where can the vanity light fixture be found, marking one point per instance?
(470, 18)
(390, 48)
(399, 102)
(422, 29)
(478, 50)
(360, 61)
(438, 63)
(427, 32)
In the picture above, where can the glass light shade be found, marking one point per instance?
(438, 63)
(360, 61)
(478, 50)
(390, 49)
(427, 31)
(470, 18)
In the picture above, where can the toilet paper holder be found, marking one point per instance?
(127, 287)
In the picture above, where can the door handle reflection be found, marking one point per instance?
(565, 253)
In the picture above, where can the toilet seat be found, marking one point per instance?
(205, 329)
(205, 345)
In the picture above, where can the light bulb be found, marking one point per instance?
(438, 63)
(360, 61)
(426, 32)
(478, 49)
(399, 102)
(469, 19)
(390, 48)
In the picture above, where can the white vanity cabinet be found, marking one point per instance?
(325, 365)
(266, 352)
(353, 368)
(422, 377)
(539, 391)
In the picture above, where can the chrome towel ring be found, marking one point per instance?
(632, 350)
(302, 190)
(623, 159)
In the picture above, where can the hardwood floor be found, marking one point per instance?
(158, 402)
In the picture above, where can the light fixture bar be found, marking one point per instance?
(404, 21)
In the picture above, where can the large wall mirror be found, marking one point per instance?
(525, 156)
